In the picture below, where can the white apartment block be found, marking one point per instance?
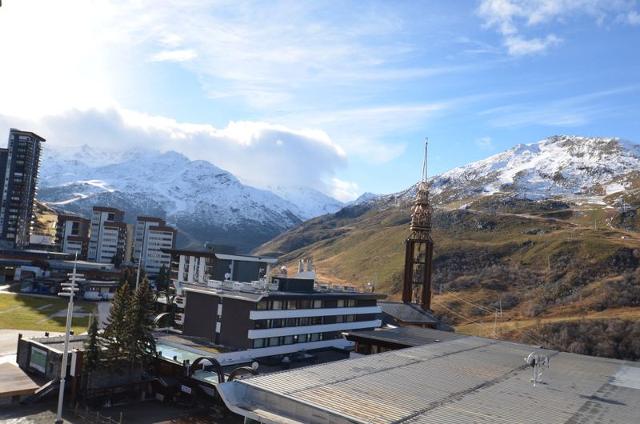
(152, 237)
(108, 234)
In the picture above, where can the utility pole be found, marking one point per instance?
(69, 289)
(138, 274)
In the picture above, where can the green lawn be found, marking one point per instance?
(22, 312)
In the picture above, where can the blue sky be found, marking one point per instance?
(333, 95)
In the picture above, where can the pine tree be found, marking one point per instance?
(118, 330)
(92, 347)
(142, 346)
(162, 280)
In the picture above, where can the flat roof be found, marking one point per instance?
(15, 382)
(469, 379)
(107, 209)
(32, 134)
(246, 258)
(56, 343)
(404, 336)
(409, 313)
(256, 296)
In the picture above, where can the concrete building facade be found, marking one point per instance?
(108, 235)
(19, 165)
(151, 240)
(72, 235)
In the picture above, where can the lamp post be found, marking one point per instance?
(68, 289)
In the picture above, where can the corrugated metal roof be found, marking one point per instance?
(459, 381)
(406, 336)
(407, 313)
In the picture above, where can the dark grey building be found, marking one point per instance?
(19, 164)
(282, 316)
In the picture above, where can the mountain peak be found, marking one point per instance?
(561, 165)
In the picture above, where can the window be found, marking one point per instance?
(304, 304)
(317, 304)
(261, 324)
(340, 318)
(276, 304)
(291, 304)
(258, 343)
(349, 318)
(303, 321)
(291, 322)
(302, 338)
(314, 337)
(277, 323)
(262, 305)
(287, 340)
(340, 303)
(274, 341)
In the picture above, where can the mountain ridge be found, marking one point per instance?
(536, 253)
(205, 202)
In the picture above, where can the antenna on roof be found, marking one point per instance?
(537, 362)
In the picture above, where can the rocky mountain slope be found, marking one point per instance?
(544, 231)
(205, 202)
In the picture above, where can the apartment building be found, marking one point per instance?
(19, 164)
(72, 235)
(151, 240)
(108, 235)
(280, 316)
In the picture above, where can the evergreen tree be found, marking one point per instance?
(162, 280)
(117, 258)
(92, 347)
(118, 330)
(142, 346)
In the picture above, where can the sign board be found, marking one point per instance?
(185, 389)
(38, 359)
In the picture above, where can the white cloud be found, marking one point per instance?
(564, 112)
(485, 143)
(518, 46)
(511, 17)
(182, 55)
(51, 59)
(259, 153)
(344, 190)
(633, 18)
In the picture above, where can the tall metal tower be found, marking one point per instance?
(419, 246)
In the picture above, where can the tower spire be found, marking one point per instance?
(419, 246)
(424, 162)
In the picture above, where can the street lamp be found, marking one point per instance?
(68, 289)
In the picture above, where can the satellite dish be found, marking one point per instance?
(254, 366)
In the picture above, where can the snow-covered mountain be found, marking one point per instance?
(308, 201)
(587, 168)
(205, 202)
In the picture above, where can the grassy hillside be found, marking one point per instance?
(536, 260)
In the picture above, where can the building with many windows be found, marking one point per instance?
(152, 238)
(19, 164)
(108, 235)
(194, 266)
(72, 235)
(277, 317)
